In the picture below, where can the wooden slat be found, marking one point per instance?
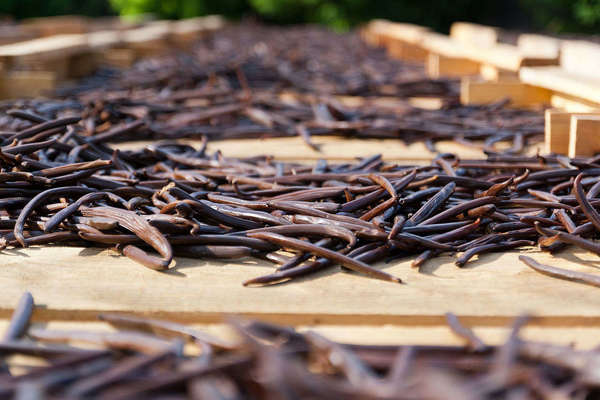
(480, 35)
(149, 40)
(584, 135)
(560, 80)
(541, 45)
(582, 337)
(499, 55)
(520, 94)
(572, 104)
(332, 148)
(75, 283)
(48, 48)
(580, 57)
(439, 66)
(23, 84)
(557, 127)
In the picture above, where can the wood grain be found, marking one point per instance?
(77, 283)
(561, 80)
(584, 135)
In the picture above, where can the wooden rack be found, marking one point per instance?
(32, 67)
(538, 70)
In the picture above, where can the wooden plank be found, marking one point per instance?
(120, 58)
(556, 130)
(332, 148)
(22, 84)
(584, 135)
(480, 35)
(75, 284)
(150, 40)
(539, 45)
(47, 54)
(582, 337)
(572, 104)
(58, 25)
(491, 73)
(49, 47)
(402, 40)
(190, 29)
(520, 94)
(439, 66)
(499, 55)
(373, 32)
(561, 80)
(580, 58)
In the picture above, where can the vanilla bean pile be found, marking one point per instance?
(170, 199)
(148, 358)
(250, 81)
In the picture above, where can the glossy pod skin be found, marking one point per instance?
(62, 181)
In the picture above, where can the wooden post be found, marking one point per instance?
(520, 94)
(584, 135)
(439, 66)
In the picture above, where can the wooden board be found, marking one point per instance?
(480, 35)
(439, 66)
(498, 55)
(556, 130)
(24, 84)
(333, 148)
(542, 45)
(521, 95)
(72, 283)
(584, 135)
(560, 80)
(580, 57)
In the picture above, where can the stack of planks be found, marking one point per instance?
(64, 49)
(538, 70)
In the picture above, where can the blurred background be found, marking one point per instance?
(552, 16)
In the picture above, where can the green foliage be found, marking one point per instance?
(562, 16)
(19, 9)
(548, 15)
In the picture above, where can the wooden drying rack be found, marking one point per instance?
(72, 285)
(538, 70)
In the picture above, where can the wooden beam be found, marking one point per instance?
(403, 41)
(495, 74)
(581, 337)
(45, 54)
(584, 135)
(572, 104)
(22, 84)
(499, 55)
(556, 129)
(185, 31)
(580, 58)
(539, 45)
(150, 40)
(439, 66)
(77, 283)
(479, 35)
(120, 58)
(520, 94)
(563, 81)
